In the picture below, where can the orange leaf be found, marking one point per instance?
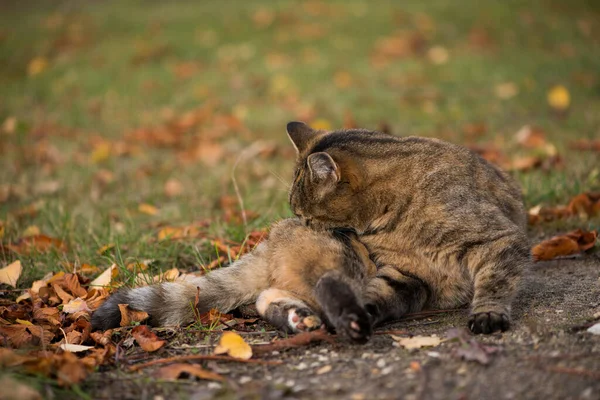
(128, 315)
(234, 345)
(37, 243)
(75, 305)
(71, 283)
(146, 338)
(564, 245)
(175, 371)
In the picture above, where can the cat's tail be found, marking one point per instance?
(172, 303)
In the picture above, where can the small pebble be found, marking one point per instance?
(245, 379)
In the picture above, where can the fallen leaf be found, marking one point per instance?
(37, 243)
(71, 283)
(147, 209)
(564, 245)
(506, 90)
(173, 233)
(14, 390)
(531, 137)
(175, 371)
(233, 344)
(37, 66)
(105, 248)
(105, 278)
(324, 369)
(585, 205)
(64, 296)
(11, 273)
(586, 144)
(95, 297)
(31, 230)
(559, 98)
(594, 329)
(470, 349)
(75, 305)
(416, 342)
(75, 348)
(146, 338)
(129, 316)
(173, 188)
(438, 55)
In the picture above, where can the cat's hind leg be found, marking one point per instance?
(497, 268)
(343, 307)
(286, 312)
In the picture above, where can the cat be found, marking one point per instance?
(444, 226)
(297, 277)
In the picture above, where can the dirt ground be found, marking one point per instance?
(547, 355)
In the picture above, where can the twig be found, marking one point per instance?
(392, 332)
(423, 314)
(299, 340)
(199, 358)
(575, 371)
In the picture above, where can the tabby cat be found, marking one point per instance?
(443, 225)
(297, 277)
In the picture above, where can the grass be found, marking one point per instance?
(78, 77)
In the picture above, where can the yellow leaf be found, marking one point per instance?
(23, 322)
(31, 230)
(167, 276)
(101, 152)
(321, 124)
(37, 66)
(105, 248)
(233, 344)
(147, 209)
(11, 273)
(559, 98)
(105, 278)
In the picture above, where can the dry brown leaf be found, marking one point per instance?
(571, 243)
(175, 371)
(146, 338)
(15, 335)
(71, 283)
(96, 297)
(586, 144)
(50, 315)
(172, 232)
(64, 296)
(37, 243)
(75, 305)
(10, 274)
(531, 137)
(129, 316)
(233, 344)
(102, 338)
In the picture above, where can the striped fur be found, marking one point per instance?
(444, 226)
(289, 276)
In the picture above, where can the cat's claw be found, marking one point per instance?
(356, 327)
(488, 322)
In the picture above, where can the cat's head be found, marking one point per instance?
(326, 182)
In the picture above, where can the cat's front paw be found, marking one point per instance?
(488, 322)
(355, 326)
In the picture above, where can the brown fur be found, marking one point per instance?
(444, 226)
(293, 276)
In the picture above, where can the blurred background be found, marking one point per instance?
(123, 118)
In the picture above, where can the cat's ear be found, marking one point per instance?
(300, 134)
(322, 168)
